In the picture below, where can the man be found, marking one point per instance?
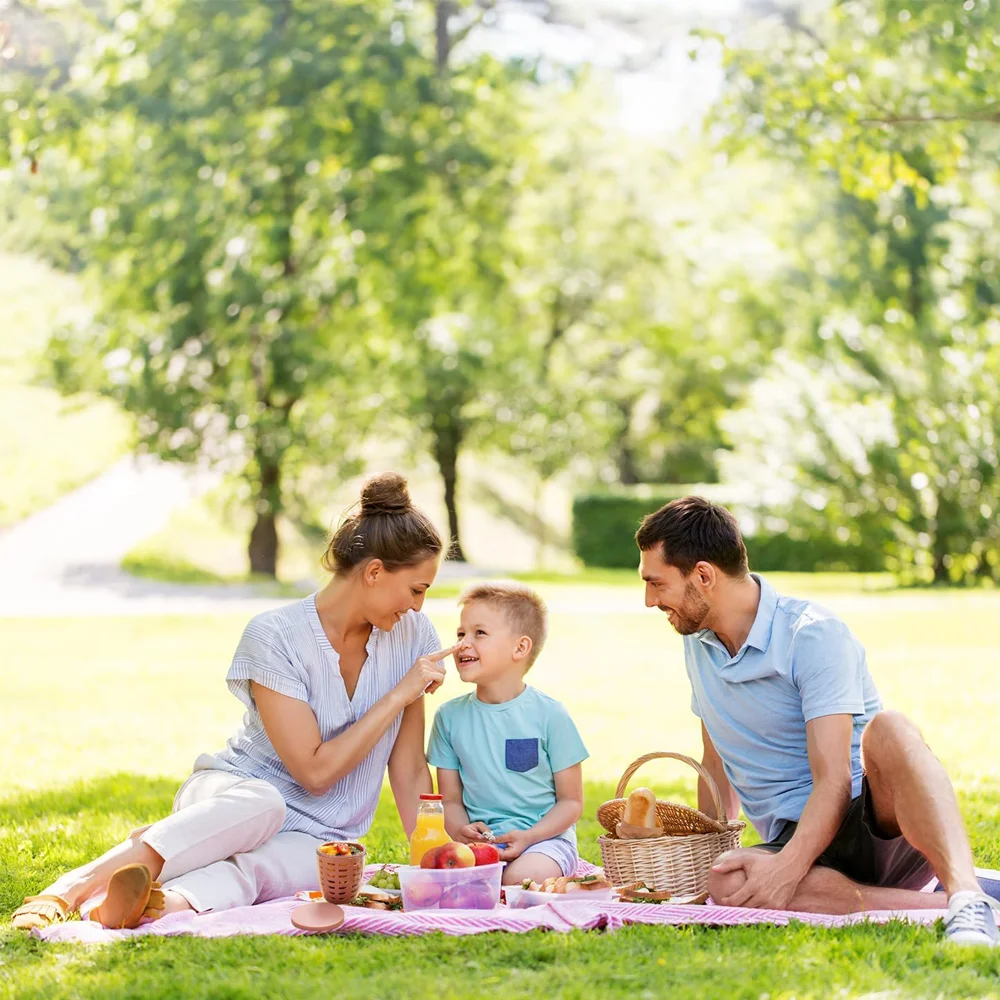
(854, 810)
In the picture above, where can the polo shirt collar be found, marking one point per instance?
(760, 631)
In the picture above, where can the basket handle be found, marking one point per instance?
(720, 809)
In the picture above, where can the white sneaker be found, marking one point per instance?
(971, 919)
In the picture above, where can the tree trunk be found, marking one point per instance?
(947, 525)
(447, 441)
(542, 538)
(628, 474)
(263, 546)
(443, 9)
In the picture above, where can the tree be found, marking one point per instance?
(236, 171)
(644, 332)
(449, 267)
(890, 110)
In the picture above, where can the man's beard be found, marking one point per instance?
(688, 618)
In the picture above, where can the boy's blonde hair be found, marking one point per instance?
(521, 606)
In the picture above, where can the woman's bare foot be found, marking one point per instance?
(174, 902)
(85, 882)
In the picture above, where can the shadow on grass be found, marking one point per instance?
(44, 833)
(47, 832)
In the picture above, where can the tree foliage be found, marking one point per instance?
(891, 110)
(241, 175)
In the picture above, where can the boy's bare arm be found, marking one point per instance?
(566, 811)
(450, 789)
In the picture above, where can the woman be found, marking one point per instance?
(333, 688)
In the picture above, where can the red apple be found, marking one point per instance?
(469, 896)
(450, 855)
(486, 854)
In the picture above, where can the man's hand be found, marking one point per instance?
(771, 880)
(476, 833)
(517, 841)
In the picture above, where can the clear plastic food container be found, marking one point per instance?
(476, 888)
(521, 899)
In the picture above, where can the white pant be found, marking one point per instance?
(221, 846)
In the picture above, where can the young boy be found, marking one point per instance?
(508, 757)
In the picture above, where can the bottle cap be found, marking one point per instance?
(432, 798)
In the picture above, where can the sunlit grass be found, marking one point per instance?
(48, 444)
(101, 718)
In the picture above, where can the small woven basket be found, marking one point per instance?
(680, 860)
(340, 875)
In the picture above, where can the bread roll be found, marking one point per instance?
(640, 809)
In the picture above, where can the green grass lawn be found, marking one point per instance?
(48, 444)
(101, 719)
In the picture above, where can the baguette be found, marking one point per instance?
(626, 831)
(640, 809)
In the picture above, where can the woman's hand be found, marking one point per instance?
(424, 677)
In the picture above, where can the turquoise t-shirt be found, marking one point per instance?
(506, 756)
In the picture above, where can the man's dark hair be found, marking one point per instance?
(692, 530)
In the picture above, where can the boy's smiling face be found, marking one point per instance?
(488, 646)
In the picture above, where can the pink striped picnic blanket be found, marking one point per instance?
(274, 918)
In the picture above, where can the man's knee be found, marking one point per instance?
(888, 732)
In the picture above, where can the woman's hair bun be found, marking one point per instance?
(404, 538)
(385, 494)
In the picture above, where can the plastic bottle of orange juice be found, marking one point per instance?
(429, 831)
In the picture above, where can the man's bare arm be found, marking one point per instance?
(712, 763)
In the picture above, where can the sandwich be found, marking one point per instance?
(375, 899)
(639, 892)
(567, 883)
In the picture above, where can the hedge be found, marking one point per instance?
(604, 526)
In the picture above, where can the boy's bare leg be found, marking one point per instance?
(912, 796)
(535, 866)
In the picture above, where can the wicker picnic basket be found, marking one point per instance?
(340, 875)
(680, 860)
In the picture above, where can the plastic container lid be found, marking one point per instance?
(432, 798)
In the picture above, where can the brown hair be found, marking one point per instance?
(691, 530)
(521, 606)
(385, 526)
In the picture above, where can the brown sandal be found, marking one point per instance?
(40, 911)
(132, 895)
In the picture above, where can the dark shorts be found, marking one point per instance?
(862, 852)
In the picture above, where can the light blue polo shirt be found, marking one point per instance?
(506, 756)
(799, 662)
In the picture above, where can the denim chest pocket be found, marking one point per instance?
(521, 755)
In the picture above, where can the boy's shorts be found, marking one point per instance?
(561, 851)
(863, 852)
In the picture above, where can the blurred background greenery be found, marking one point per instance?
(556, 261)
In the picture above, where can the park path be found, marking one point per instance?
(64, 560)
